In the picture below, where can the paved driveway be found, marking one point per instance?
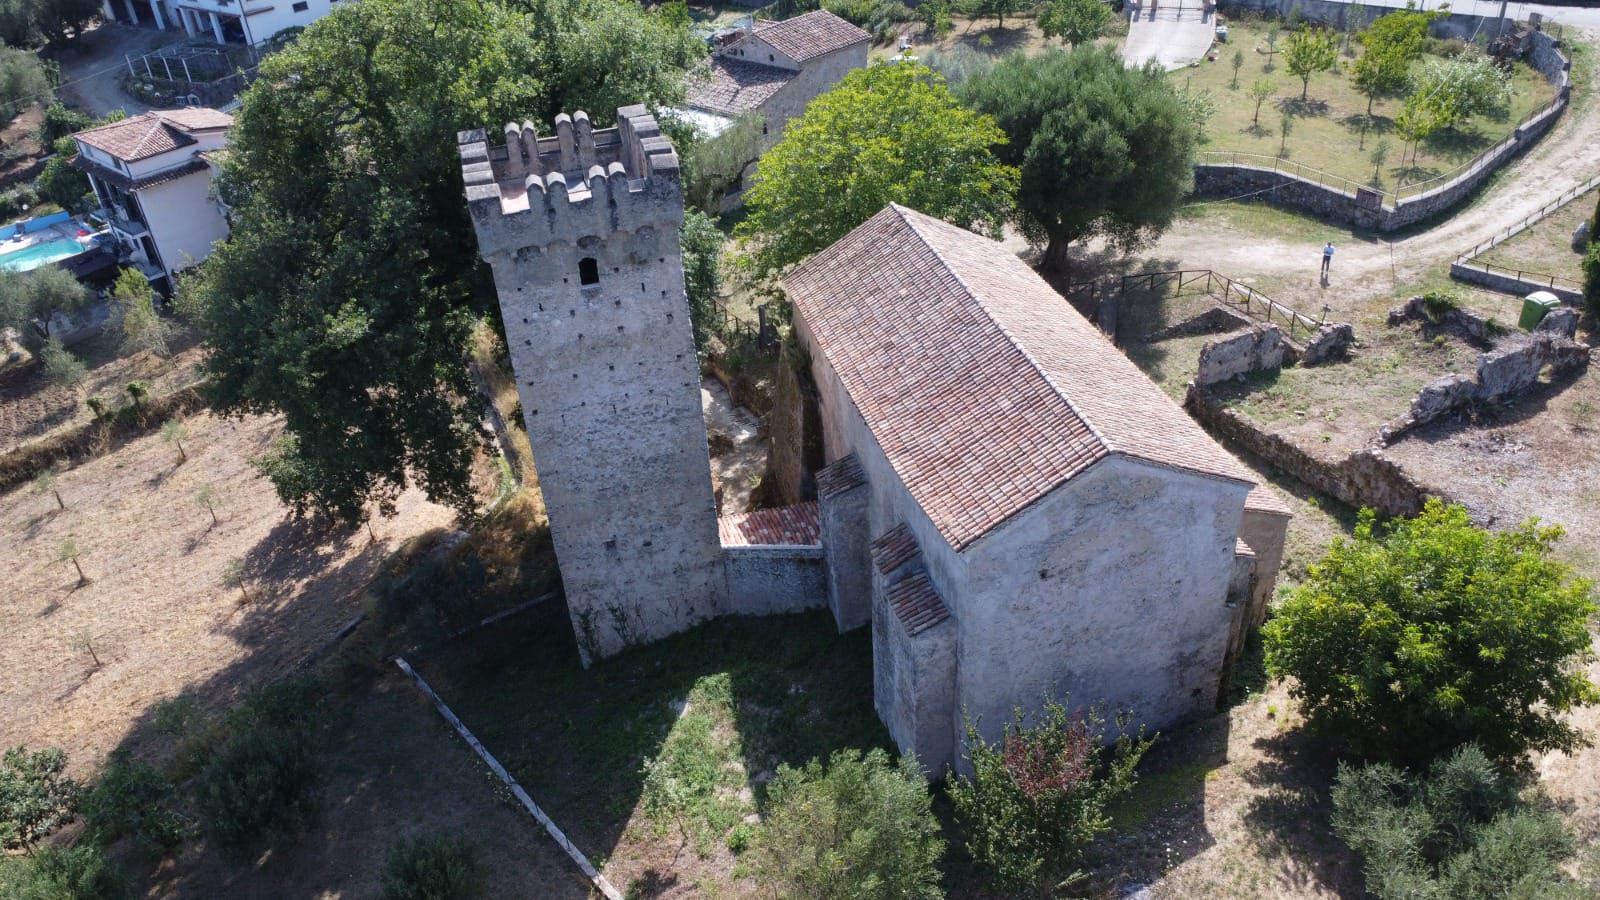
(1175, 33)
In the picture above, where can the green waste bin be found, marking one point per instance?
(1537, 305)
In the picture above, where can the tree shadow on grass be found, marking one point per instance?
(577, 740)
(1002, 41)
(1291, 817)
(1308, 108)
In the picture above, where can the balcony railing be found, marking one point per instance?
(121, 221)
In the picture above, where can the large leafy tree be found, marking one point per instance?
(1407, 644)
(1307, 52)
(1389, 47)
(886, 133)
(24, 23)
(345, 297)
(1074, 21)
(1103, 149)
(30, 301)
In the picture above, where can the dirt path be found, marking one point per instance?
(1565, 157)
(93, 69)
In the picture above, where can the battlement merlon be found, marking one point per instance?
(533, 190)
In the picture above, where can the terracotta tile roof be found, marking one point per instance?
(893, 549)
(1240, 548)
(839, 476)
(811, 35)
(788, 525)
(738, 86)
(153, 133)
(1265, 500)
(982, 386)
(916, 604)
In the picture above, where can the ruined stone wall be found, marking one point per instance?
(606, 371)
(794, 427)
(1254, 349)
(1364, 478)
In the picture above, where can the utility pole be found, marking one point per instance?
(1500, 26)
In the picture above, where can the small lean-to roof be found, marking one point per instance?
(153, 133)
(737, 86)
(982, 386)
(798, 525)
(811, 35)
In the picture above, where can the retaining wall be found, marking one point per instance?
(1364, 478)
(766, 580)
(1496, 281)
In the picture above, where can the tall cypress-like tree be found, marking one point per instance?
(345, 297)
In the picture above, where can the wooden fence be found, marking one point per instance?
(1230, 292)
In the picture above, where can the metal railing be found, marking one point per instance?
(1391, 197)
(1480, 161)
(1534, 279)
(1566, 197)
(1232, 293)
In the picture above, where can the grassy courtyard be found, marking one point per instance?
(1327, 127)
(1546, 247)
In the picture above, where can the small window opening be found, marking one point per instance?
(588, 271)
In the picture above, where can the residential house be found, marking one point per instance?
(247, 22)
(152, 182)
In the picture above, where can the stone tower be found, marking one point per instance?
(581, 231)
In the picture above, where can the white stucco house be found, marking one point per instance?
(247, 22)
(152, 182)
(1009, 502)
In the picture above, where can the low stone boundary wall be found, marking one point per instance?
(1364, 478)
(1510, 284)
(1365, 209)
(765, 580)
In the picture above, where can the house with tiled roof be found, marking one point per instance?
(1009, 502)
(773, 70)
(152, 178)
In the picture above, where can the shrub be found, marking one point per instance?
(1464, 831)
(432, 867)
(1037, 798)
(60, 121)
(258, 788)
(60, 365)
(858, 829)
(36, 797)
(59, 873)
(1591, 282)
(1436, 634)
(133, 799)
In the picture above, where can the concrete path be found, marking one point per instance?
(1174, 33)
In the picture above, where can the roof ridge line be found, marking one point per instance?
(1011, 338)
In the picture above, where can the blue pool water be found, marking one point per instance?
(39, 254)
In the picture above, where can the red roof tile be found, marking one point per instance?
(982, 386)
(1265, 500)
(786, 525)
(839, 476)
(811, 35)
(153, 133)
(894, 548)
(736, 86)
(916, 604)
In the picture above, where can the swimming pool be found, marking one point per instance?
(33, 257)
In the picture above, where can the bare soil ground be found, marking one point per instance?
(21, 135)
(396, 771)
(738, 456)
(31, 407)
(154, 610)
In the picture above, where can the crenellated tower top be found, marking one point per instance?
(533, 190)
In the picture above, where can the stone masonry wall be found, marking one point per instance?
(1510, 284)
(1254, 349)
(1364, 478)
(607, 371)
(768, 580)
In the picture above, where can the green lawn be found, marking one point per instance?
(1327, 126)
(1546, 247)
(714, 710)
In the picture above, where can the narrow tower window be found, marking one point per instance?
(588, 271)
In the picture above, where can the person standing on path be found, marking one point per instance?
(1327, 257)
